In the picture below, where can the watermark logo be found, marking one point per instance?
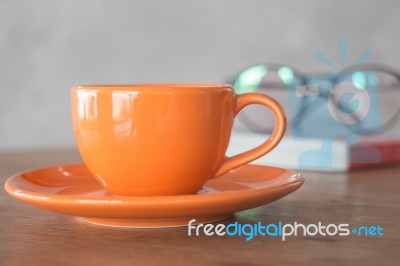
(345, 104)
(343, 46)
(281, 230)
(341, 104)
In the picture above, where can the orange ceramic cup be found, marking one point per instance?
(162, 139)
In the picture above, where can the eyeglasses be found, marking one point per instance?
(363, 99)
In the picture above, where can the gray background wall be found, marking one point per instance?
(48, 46)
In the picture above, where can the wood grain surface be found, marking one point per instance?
(31, 236)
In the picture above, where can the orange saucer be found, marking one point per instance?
(72, 190)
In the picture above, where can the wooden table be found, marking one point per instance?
(31, 236)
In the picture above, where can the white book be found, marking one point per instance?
(332, 155)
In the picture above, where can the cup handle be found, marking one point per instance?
(280, 126)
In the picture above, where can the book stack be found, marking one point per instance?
(331, 155)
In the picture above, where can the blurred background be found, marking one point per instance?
(49, 46)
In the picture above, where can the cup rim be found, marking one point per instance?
(153, 86)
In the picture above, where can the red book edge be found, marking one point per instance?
(370, 154)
